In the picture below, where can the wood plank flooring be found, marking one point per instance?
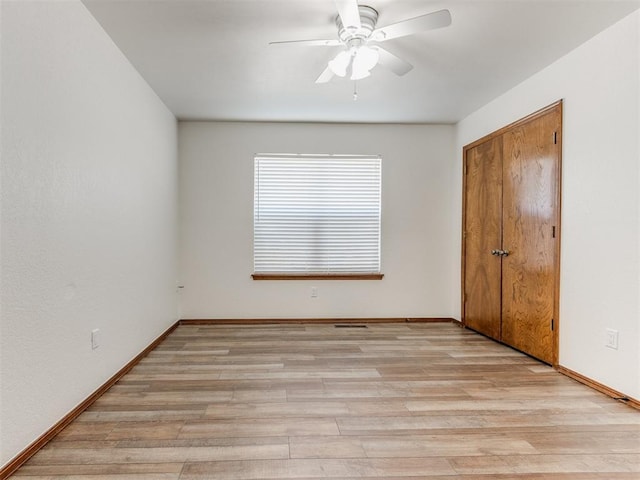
(430, 401)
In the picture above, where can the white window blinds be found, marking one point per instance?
(317, 214)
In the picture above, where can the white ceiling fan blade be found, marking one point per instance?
(310, 43)
(349, 13)
(393, 63)
(325, 76)
(430, 21)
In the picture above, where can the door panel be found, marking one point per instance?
(483, 233)
(530, 172)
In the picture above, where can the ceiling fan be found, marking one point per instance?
(358, 34)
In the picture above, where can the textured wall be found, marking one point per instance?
(88, 217)
(600, 258)
(216, 214)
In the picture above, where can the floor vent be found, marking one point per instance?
(349, 325)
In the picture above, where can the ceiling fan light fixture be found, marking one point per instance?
(340, 63)
(368, 57)
(364, 60)
(359, 75)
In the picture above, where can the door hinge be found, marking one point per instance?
(553, 232)
(555, 138)
(552, 325)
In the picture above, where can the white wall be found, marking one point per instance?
(216, 212)
(89, 192)
(600, 267)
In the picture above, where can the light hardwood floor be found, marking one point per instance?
(429, 401)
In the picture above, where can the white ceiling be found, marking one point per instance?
(211, 59)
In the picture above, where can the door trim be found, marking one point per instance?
(556, 301)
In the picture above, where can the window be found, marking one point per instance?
(317, 216)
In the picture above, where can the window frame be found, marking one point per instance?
(329, 275)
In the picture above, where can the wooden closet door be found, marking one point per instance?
(530, 180)
(482, 234)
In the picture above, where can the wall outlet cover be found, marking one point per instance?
(612, 339)
(95, 338)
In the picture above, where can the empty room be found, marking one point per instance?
(296, 239)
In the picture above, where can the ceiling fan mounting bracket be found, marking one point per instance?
(368, 20)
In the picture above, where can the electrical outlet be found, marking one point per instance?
(612, 339)
(95, 338)
(314, 292)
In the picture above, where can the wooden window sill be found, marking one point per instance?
(317, 276)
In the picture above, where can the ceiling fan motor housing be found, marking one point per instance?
(352, 35)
